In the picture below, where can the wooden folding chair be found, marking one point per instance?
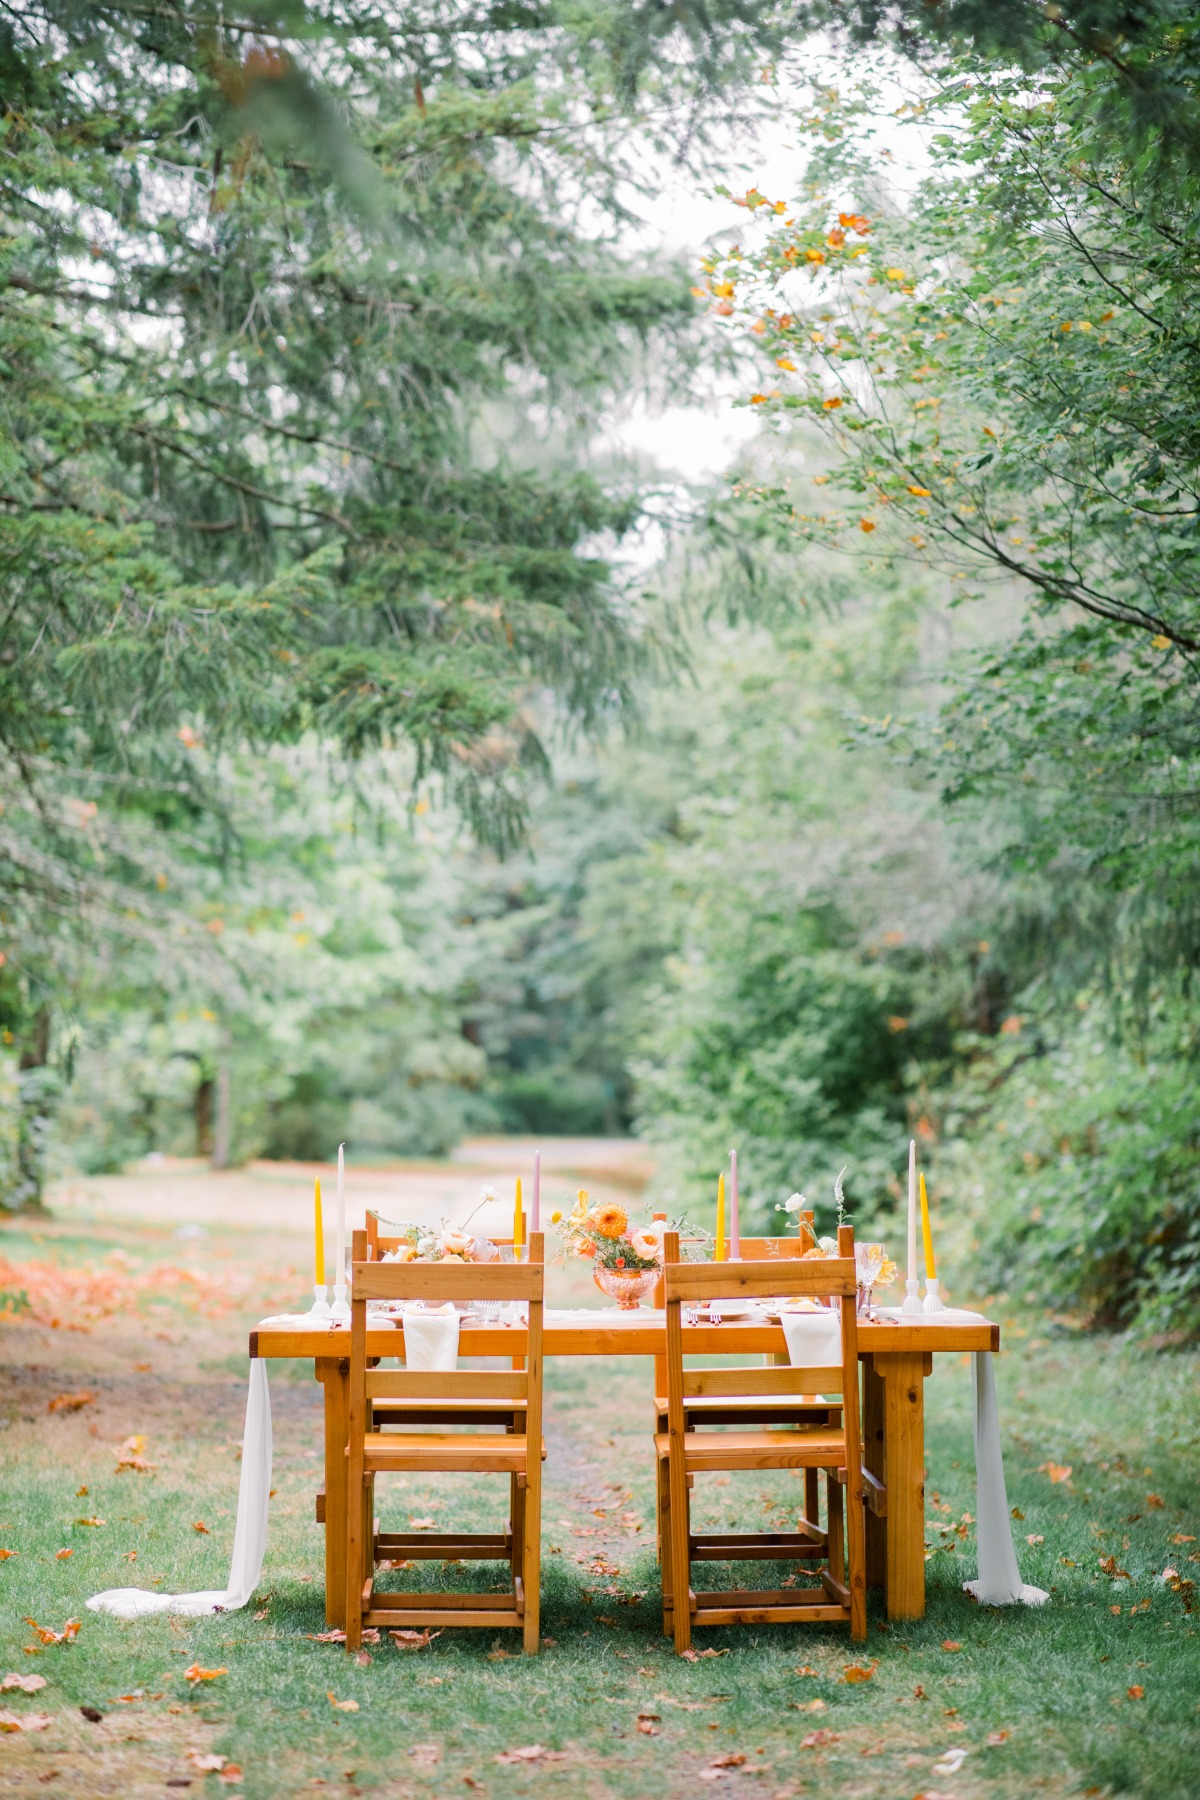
(447, 1404)
(690, 1446)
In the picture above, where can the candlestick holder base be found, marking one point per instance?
(341, 1306)
(911, 1306)
(933, 1299)
(320, 1306)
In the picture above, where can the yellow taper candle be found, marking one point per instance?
(927, 1234)
(719, 1251)
(518, 1218)
(320, 1234)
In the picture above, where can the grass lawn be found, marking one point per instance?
(1096, 1694)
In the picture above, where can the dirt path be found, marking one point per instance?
(278, 1196)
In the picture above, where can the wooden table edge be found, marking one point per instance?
(630, 1340)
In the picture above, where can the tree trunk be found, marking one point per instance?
(222, 1128)
(34, 1120)
(202, 1105)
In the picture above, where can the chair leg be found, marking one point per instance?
(531, 1558)
(856, 1581)
(516, 1514)
(679, 1529)
(833, 1508)
(663, 1512)
(812, 1496)
(355, 1571)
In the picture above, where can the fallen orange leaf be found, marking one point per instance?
(1057, 1472)
(201, 1527)
(71, 1402)
(855, 1672)
(195, 1673)
(5, 1554)
(67, 1635)
(997, 1737)
(950, 1644)
(91, 1521)
(1136, 1692)
(1155, 1500)
(61, 1555)
(340, 1705)
(81, 1491)
(413, 1640)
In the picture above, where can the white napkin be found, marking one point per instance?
(814, 1339)
(431, 1339)
(999, 1582)
(249, 1535)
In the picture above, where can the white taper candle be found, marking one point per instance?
(735, 1235)
(339, 1266)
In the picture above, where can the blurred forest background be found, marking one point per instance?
(383, 755)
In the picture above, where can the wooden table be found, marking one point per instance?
(895, 1360)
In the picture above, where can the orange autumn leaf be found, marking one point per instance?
(1155, 1500)
(5, 1554)
(856, 1672)
(951, 1644)
(833, 402)
(67, 1635)
(920, 492)
(10, 1721)
(852, 221)
(130, 1456)
(195, 1674)
(340, 1705)
(200, 1527)
(1136, 1692)
(93, 1521)
(71, 1402)
(866, 524)
(62, 1555)
(1058, 1472)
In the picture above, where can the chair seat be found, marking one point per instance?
(814, 1447)
(445, 1450)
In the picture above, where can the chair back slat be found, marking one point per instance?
(823, 1277)
(764, 1248)
(447, 1384)
(379, 1244)
(446, 1281)
(790, 1379)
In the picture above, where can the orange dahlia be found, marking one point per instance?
(608, 1221)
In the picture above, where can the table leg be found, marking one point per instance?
(873, 1461)
(335, 1377)
(903, 1377)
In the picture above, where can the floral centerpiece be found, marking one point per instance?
(627, 1259)
(446, 1244)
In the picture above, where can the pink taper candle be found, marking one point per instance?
(535, 1223)
(735, 1236)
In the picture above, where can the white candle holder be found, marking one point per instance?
(933, 1299)
(911, 1306)
(320, 1306)
(341, 1306)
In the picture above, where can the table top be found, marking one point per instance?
(608, 1332)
